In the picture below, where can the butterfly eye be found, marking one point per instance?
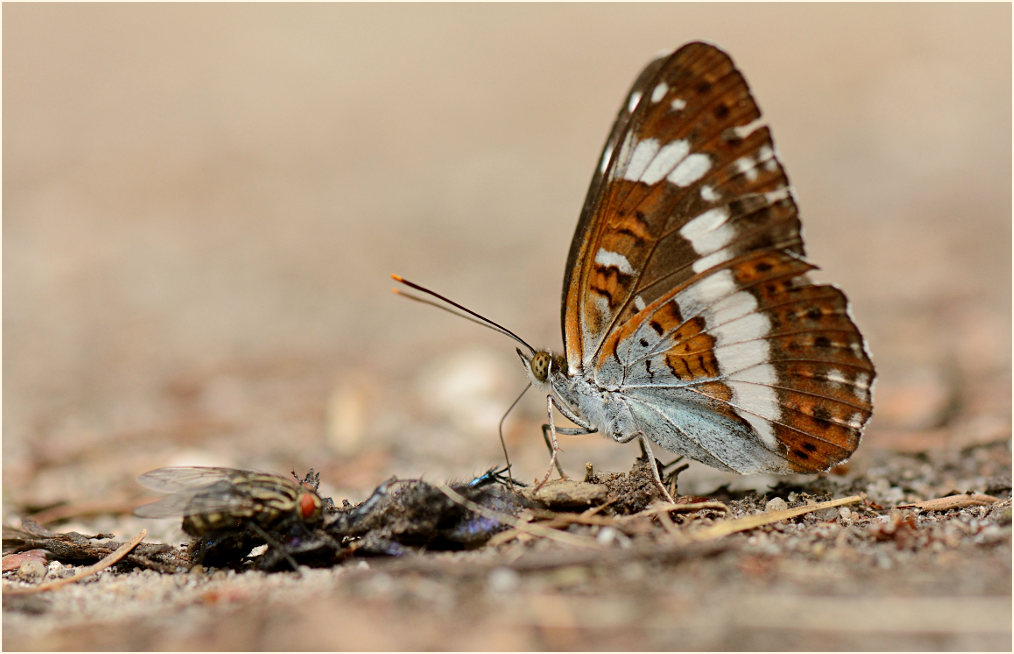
(540, 366)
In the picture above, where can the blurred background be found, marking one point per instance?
(202, 205)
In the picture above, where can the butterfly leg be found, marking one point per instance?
(568, 431)
(549, 432)
(554, 446)
(670, 478)
(646, 448)
(546, 437)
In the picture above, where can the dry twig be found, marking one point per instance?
(118, 554)
(726, 527)
(665, 508)
(952, 502)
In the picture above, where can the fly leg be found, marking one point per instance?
(275, 546)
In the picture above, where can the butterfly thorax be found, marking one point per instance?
(581, 401)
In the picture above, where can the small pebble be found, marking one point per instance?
(380, 585)
(503, 580)
(32, 570)
(826, 514)
(776, 504)
(563, 493)
(609, 535)
(58, 569)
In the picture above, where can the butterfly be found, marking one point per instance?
(689, 318)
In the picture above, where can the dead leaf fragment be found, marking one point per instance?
(14, 561)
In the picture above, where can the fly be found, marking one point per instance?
(220, 505)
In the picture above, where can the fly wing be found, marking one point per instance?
(219, 497)
(181, 478)
(199, 490)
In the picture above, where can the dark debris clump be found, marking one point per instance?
(630, 492)
(412, 513)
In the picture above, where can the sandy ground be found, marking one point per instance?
(202, 204)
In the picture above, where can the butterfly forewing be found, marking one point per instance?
(685, 287)
(619, 129)
(682, 154)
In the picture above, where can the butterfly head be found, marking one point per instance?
(541, 366)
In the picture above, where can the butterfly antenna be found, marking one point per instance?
(462, 312)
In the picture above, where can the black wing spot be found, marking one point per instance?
(637, 239)
(822, 415)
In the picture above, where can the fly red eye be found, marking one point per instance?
(307, 506)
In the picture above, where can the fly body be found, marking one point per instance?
(226, 499)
